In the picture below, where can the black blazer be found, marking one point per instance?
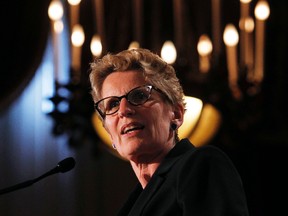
(190, 181)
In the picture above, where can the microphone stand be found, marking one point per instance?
(26, 183)
(63, 166)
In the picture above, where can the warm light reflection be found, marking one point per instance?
(207, 126)
(191, 116)
(231, 37)
(262, 10)
(77, 36)
(55, 10)
(96, 46)
(168, 52)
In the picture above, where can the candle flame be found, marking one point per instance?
(96, 46)
(245, 1)
(262, 10)
(168, 52)
(55, 10)
(74, 2)
(77, 36)
(204, 46)
(231, 36)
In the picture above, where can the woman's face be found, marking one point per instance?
(140, 133)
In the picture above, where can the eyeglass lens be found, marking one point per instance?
(135, 97)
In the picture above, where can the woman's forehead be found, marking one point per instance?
(121, 82)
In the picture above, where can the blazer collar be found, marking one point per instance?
(180, 148)
(156, 181)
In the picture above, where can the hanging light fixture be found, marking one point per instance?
(202, 115)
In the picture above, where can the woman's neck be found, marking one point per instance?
(144, 172)
(145, 168)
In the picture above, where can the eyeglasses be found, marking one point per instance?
(136, 97)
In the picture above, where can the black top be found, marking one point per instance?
(190, 181)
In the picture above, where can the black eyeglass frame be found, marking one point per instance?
(96, 105)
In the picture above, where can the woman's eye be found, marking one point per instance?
(139, 95)
(112, 104)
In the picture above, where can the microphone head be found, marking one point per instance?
(66, 165)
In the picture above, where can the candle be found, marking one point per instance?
(249, 50)
(216, 26)
(138, 17)
(75, 34)
(99, 8)
(231, 39)
(244, 37)
(244, 4)
(262, 12)
(55, 12)
(178, 23)
(74, 12)
(77, 39)
(204, 48)
(57, 27)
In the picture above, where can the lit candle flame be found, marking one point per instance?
(74, 2)
(168, 52)
(262, 10)
(231, 37)
(204, 48)
(77, 36)
(55, 10)
(96, 46)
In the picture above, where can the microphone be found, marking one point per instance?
(63, 166)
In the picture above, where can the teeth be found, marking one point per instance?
(128, 129)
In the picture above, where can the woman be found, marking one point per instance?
(140, 102)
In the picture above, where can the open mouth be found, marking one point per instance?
(130, 128)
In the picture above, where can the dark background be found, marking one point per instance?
(253, 131)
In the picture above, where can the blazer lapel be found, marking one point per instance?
(146, 195)
(158, 178)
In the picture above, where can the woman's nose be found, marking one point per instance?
(125, 108)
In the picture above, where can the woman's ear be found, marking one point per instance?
(178, 116)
